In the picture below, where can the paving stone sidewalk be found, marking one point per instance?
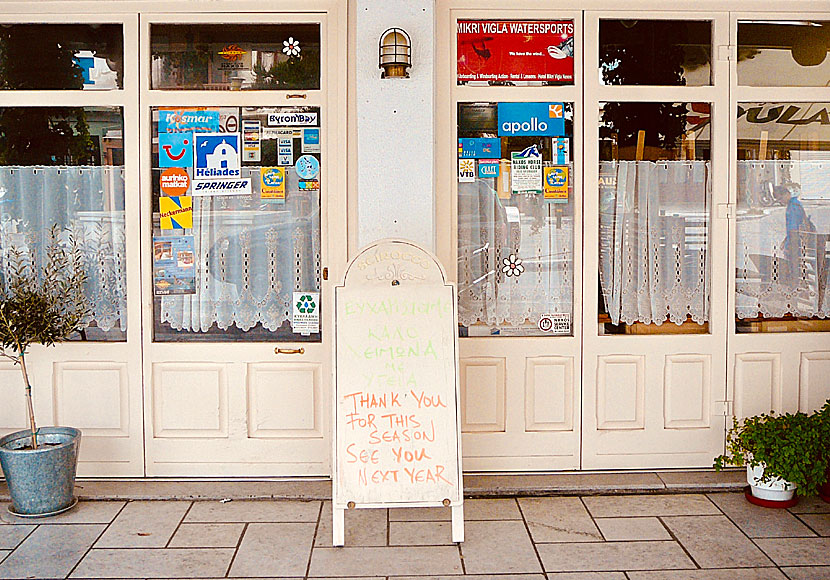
(636, 537)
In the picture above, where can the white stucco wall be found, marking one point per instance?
(395, 128)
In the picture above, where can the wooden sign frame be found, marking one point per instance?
(381, 269)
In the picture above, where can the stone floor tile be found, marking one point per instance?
(811, 505)
(472, 577)
(729, 480)
(558, 519)
(154, 563)
(385, 561)
(498, 547)
(4, 553)
(421, 514)
(50, 551)
(534, 484)
(207, 536)
(626, 529)
(611, 556)
(491, 509)
(723, 574)
(807, 572)
(420, 533)
(715, 542)
(756, 521)
(86, 512)
(274, 550)
(819, 522)
(11, 536)
(797, 551)
(144, 524)
(586, 576)
(254, 511)
(650, 505)
(364, 527)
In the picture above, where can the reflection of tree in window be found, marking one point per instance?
(294, 72)
(41, 135)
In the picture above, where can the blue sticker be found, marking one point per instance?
(479, 148)
(175, 149)
(184, 120)
(488, 168)
(307, 167)
(217, 155)
(311, 136)
(531, 119)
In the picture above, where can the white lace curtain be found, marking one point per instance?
(654, 241)
(781, 265)
(490, 230)
(249, 260)
(85, 202)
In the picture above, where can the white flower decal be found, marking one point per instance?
(291, 47)
(512, 266)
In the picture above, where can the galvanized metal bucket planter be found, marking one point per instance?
(41, 481)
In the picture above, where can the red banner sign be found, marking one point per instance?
(510, 51)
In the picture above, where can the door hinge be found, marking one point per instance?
(722, 408)
(325, 273)
(727, 52)
(725, 211)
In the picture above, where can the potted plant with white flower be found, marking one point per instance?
(41, 302)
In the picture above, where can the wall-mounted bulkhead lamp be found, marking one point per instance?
(395, 54)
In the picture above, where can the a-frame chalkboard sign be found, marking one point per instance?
(397, 422)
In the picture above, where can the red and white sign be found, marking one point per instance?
(505, 51)
(174, 181)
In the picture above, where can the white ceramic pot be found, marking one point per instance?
(775, 489)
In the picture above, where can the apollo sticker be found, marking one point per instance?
(305, 317)
(555, 323)
(292, 119)
(307, 167)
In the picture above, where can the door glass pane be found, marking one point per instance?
(515, 218)
(225, 57)
(790, 53)
(655, 198)
(655, 52)
(783, 217)
(236, 223)
(61, 56)
(64, 167)
(515, 52)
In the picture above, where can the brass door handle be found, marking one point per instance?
(300, 350)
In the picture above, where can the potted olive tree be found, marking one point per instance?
(42, 301)
(823, 418)
(784, 455)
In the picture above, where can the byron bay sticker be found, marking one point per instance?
(466, 170)
(251, 140)
(556, 184)
(221, 187)
(292, 119)
(307, 167)
(272, 183)
(216, 156)
(175, 150)
(174, 181)
(555, 323)
(176, 213)
(526, 171)
(311, 140)
(305, 317)
(488, 168)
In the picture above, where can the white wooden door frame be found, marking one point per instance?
(226, 445)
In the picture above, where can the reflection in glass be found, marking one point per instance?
(64, 166)
(61, 56)
(787, 54)
(783, 217)
(655, 52)
(655, 191)
(515, 248)
(235, 56)
(250, 252)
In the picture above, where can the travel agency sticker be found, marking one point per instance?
(556, 184)
(176, 213)
(217, 168)
(272, 183)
